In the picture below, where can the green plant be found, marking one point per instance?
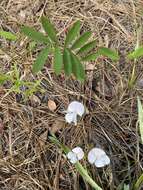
(137, 53)
(140, 121)
(133, 56)
(140, 118)
(138, 182)
(8, 35)
(82, 171)
(69, 57)
(27, 88)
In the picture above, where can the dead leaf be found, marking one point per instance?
(52, 105)
(35, 100)
(57, 125)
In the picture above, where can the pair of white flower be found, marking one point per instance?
(96, 156)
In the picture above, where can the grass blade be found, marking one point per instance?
(58, 60)
(81, 40)
(113, 55)
(34, 35)
(136, 54)
(40, 61)
(8, 35)
(140, 118)
(72, 33)
(126, 187)
(49, 28)
(67, 62)
(138, 182)
(132, 77)
(77, 68)
(4, 78)
(87, 47)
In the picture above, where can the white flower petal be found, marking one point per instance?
(79, 152)
(99, 163)
(106, 160)
(72, 157)
(75, 118)
(74, 160)
(94, 154)
(76, 107)
(103, 161)
(69, 117)
(91, 157)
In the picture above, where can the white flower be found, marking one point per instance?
(75, 108)
(75, 155)
(98, 157)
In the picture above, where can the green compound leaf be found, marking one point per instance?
(81, 40)
(136, 54)
(67, 62)
(91, 57)
(40, 61)
(87, 47)
(49, 28)
(113, 55)
(77, 68)
(72, 33)
(58, 60)
(8, 35)
(34, 35)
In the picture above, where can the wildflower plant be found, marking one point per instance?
(78, 48)
(95, 156)
(75, 160)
